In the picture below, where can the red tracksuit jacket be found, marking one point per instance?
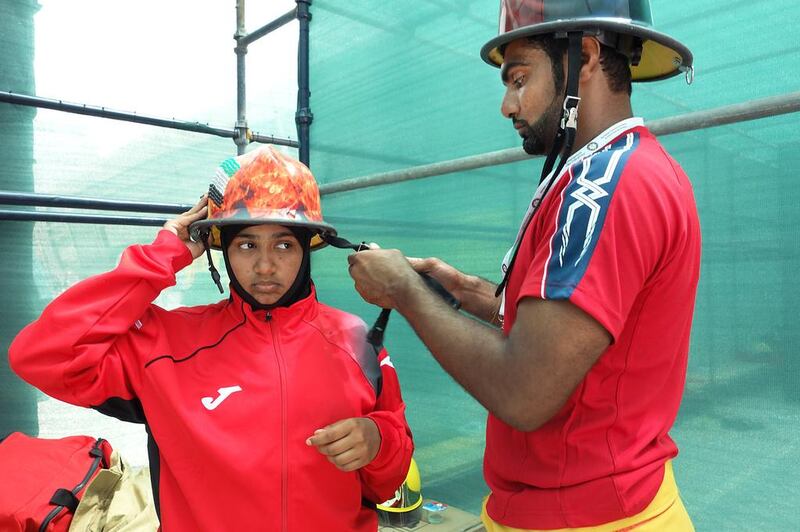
(228, 395)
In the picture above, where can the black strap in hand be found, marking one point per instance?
(375, 334)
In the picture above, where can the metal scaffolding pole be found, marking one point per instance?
(304, 117)
(752, 110)
(243, 39)
(240, 139)
(269, 27)
(77, 202)
(240, 134)
(102, 112)
(40, 216)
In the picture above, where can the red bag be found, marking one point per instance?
(42, 480)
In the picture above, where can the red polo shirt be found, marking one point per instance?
(617, 236)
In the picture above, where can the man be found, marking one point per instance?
(265, 411)
(585, 379)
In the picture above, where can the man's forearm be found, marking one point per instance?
(523, 378)
(471, 352)
(477, 297)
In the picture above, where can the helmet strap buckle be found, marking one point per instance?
(688, 71)
(569, 120)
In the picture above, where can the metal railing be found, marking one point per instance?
(103, 112)
(772, 106)
(240, 133)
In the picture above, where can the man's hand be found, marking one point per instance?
(381, 275)
(475, 294)
(450, 278)
(349, 444)
(180, 225)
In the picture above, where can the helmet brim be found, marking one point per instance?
(214, 237)
(662, 56)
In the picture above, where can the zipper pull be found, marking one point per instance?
(268, 317)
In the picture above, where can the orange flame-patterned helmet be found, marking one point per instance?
(626, 25)
(263, 186)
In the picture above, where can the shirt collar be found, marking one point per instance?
(594, 145)
(598, 143)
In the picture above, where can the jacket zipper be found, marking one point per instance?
(284, 429)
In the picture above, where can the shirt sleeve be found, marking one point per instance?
(85, 347)
(599, 242)
(387, 471)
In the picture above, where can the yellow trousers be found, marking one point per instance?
(665, 513)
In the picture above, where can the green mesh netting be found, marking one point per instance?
(399, 84)
(404, 86)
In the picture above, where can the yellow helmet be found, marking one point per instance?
(405, 508)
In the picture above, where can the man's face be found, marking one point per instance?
(530, 101)
(265, 260)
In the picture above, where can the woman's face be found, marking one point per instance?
(265, 260)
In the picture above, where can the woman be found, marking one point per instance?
(265, 411)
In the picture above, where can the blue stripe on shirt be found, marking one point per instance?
(582, 215)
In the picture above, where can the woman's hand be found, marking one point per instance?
(180, 225)
(349, 444)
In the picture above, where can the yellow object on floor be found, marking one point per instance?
(451, 520)
(665, 513)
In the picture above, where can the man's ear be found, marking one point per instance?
(590, 56)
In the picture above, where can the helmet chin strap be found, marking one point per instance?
(375, 334)
(565, 137)
(211, 267)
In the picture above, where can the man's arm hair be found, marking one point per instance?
(477, 298)
(475, 294)
(523, 379)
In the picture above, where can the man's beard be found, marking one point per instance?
(534, 136)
